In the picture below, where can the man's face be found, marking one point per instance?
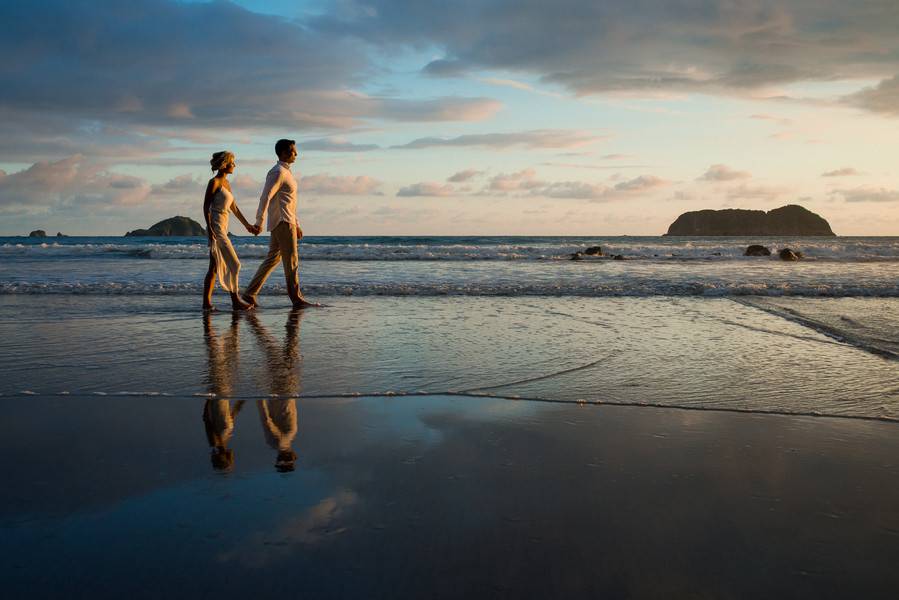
(289, 155)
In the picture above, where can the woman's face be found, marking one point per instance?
(228, 167)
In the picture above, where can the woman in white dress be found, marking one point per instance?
(217, 205)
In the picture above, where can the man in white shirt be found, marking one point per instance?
(279, 199)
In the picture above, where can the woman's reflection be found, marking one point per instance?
(278, 414)
(219, 413)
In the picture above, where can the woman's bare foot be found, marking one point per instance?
(208, 308)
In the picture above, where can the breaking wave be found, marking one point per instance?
(465, 249)
(466, 288)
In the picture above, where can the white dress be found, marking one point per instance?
(227, 266)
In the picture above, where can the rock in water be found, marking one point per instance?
(593, 251)
(38, 233)
(60, 234)
(180, 226)
(786, 220)
(757, 250)
(790, 255)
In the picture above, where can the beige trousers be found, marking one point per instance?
(282, 246)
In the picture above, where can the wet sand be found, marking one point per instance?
(149, 452)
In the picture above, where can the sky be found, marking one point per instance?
(472, 117)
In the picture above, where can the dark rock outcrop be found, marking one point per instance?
(577, 256)
(618, 257)
(180, 226)
(757, 250)
(60, 234)
(38, 233)
(789, 254)
(786, 220)
(593, 251)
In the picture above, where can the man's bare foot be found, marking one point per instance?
(303, 303)
(251, 300)
(239, 304)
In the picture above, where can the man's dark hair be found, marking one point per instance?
(281, 146)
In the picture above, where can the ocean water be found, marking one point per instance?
(466, 266)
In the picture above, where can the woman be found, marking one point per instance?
(217, 204)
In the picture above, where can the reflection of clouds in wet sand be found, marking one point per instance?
(283, 363)
(312, 526)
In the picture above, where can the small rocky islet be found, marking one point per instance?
(173, 226)
(790, 220)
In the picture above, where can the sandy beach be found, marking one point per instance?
(444, 447)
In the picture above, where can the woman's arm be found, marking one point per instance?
(242, 219)
(211, 188)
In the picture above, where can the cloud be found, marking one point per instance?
(723, 173)
(68, 184)
(511, 182)
(764, 117)
(440, 109)
(844, 172)
(651, 47)
(403, 214)
(526, 183)
(464, 175)
(335, 144)
(756, 192)
(868, 194)
(188, 66)
(572, 189)
(535, 139)
(426, 188)
(339, 185)
(640, 184)
(180, 185)
(882, 98)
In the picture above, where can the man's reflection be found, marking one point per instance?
(284, 368)
(219, 413)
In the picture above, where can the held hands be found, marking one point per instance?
(254, 229)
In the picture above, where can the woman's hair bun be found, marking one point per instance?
(219, 159)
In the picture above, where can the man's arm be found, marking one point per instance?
(272, 183)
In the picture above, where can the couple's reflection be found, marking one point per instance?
(282, 370)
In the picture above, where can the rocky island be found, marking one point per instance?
(789, 220)
(177, 226)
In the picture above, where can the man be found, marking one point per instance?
(279, 199)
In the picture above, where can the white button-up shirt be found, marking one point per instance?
(279, 197)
